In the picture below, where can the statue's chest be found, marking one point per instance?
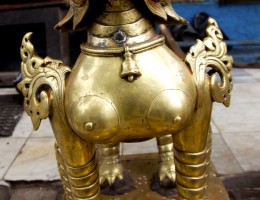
(99, 101)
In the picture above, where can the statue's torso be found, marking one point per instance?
(100, 105)
(145, 108)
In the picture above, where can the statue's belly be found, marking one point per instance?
(101, 106)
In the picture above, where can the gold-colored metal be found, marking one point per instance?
(211, 52)
(126, 86)
(142, 168)
(38, 73)
(166, 158)
(79, 8)
(129, 68)
(110, 166)
(163, 9)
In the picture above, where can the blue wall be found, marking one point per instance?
(239, 21)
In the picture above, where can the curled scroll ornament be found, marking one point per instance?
(43, 83)
(209, 57)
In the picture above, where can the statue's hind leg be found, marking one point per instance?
(110, 166)
(163, 181)
(191, 147)
(166, 168)
(114, 179)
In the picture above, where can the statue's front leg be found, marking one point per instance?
(190, 152)
(76, 163)
(43, 87)
(192, 145)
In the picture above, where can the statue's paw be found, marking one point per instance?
(163, 180)
(111, 172)
(167, 174)
(114, 180)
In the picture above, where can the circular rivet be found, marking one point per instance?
(177, 119)
(119, 37)
(89, 126)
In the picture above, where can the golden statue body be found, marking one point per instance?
(127, 86)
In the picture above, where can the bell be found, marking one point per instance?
(130, 70)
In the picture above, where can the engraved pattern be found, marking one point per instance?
(63, 173)
(166, 156)
(211, 53)
(42, 84)
(110, 166)
(79, 8)
(163, 9)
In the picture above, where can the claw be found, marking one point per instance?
(111, 172)
(167, 171)
(162, 177)
(120, 176)
(171, 175)
(101, 179)
(111, 180)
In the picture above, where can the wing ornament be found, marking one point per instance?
(43, 83)
(209, 58)
(164, 10)
(73, 18)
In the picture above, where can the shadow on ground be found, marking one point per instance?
(10, 112)
(36, 191)
(244, 186)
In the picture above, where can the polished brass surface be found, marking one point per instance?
(166, 158)
(128, 86)
(110, 166)
(142, 167)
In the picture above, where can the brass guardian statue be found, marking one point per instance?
(128, 86)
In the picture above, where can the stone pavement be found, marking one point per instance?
(29, 156)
